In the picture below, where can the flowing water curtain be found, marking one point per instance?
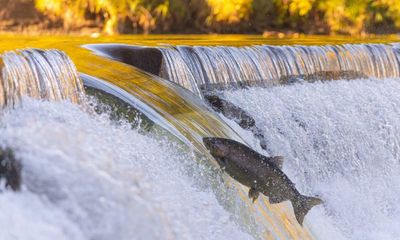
(174, 65)
(202, 67)
(2, 95)
(40, 74)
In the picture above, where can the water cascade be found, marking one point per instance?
(340, 140)
(172, 184)
(206, 68)
(87, 191)
(188, 115)
(39, 74)
(172, 108)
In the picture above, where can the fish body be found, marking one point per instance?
(260, 173)
(237, 114)
(10, 169)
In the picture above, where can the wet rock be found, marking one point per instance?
(322, 76)
(10, 169)
(233, 85)
(287, 79)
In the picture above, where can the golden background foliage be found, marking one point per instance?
(221, 16)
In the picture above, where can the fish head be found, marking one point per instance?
(218, 147)
(233, 158)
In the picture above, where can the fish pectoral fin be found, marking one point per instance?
(253, 194)
(275, 199)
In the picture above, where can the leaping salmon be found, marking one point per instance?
(259, 173)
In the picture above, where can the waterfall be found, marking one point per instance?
(341, 141)
(201, 67)
(81, 171)
(39, 74)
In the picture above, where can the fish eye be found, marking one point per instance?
(222, 159)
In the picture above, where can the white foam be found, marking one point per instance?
(341, 141)
(87, 178)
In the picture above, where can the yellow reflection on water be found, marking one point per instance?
(18, 41)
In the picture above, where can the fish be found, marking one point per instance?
(260, 173)
(10, 169)
(237, 114)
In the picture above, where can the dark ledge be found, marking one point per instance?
(148, 59)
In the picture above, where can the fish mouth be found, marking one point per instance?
(208, 142)
(212, 146)
(221, 162)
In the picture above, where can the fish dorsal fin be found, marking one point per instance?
(277, 160)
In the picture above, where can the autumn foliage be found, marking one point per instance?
(225, 16)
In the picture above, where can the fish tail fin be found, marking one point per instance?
(302, 205)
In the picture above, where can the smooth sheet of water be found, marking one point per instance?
(86, 177)
(204, 67)
(40, 74)
(341, 141)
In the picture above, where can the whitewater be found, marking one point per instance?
(87, 177)
(341, 141)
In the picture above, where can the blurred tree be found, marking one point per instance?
(309, 16)
(385, 15)
(345, 16)
(262, 15)
(228, 14)
(116, 14)
(229, 11)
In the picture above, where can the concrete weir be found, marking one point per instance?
(147, 59)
